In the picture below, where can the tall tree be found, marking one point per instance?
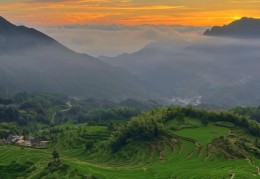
(55, 155)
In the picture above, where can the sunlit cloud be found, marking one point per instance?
(129, 12)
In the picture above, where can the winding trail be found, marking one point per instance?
(257, 168)
(62, 111)
(233, 176)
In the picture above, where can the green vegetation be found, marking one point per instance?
(39, 110)
(151, 125)
(21, 169)
(168, 142)
(252, 112)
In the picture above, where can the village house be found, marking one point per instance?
(14, 138)
(27, 143)
(30, 142)
(20, 141)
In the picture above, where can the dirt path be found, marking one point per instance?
(257, 168)
(53, 116)
(152, 151)
(233, 176)
(62, 111)
(200, 151)
(69, 104)
(180, 149)
(69, 107)
(190, 155)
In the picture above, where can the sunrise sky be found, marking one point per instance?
(128, 12)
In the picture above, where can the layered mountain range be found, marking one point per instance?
(223, 71)
(31, 61)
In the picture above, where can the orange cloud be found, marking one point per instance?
(129, 12)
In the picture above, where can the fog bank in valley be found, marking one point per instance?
(222, 71)
(162, 62)
(112, 40)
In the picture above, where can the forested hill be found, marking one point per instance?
(166, 141)
(155, 123)
(252, 112)
(38, 110)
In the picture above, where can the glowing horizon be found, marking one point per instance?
(127, 12)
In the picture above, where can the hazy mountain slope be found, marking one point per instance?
(222, 71)
(243, 28)
(30, 60)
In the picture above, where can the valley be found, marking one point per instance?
(163, 142)
(184, 106)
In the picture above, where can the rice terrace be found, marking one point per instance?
(171, 142)
(129, 89)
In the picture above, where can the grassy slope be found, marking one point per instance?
(162, 158)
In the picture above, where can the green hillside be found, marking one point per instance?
(169, 142)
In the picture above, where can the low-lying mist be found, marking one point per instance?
(222, 71)
(112, 40)
(174, 63)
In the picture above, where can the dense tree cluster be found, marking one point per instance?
(100, 115)
(10, 128)
(54, 109)
(213, 116)
(25, 108)
(151, 124)
(9, 113)
(252, 112)
(143, 127)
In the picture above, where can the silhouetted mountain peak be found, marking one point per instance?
(13, 37)
(245, 27)
(4, 23)
(33, 61)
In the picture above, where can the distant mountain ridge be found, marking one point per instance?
(243, 28)
(215, 70)
(31, 60)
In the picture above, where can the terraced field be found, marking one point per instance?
(183, 155)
